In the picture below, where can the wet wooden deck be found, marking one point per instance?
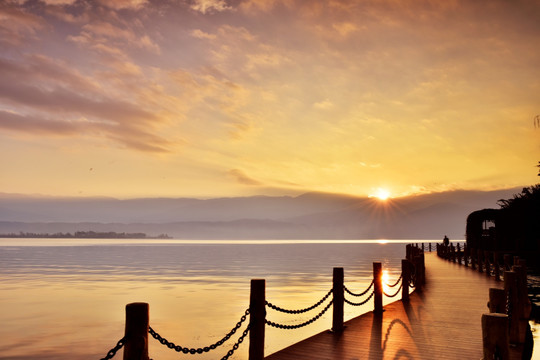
(442, 322)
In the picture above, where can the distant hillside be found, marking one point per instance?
(308, 216)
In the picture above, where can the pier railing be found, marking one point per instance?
(506, 331)
(412, 277)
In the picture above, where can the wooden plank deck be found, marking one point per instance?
(442, 322)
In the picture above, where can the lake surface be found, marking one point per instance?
(65, 298)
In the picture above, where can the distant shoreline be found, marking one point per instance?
(84, 235)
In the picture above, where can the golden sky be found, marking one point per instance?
(206, 98)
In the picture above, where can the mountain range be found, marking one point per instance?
(308, 216)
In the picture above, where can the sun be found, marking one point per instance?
(381, 194)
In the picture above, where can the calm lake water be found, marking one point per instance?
(65, 298)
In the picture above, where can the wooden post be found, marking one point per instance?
(377, 287)
(495, 336)
(423, 247)
(507, 262)
(496, 266)
(429, 247)
(465, 255)
(487, 262)
(497, 301)
(420, 271)
(136, 333)
(405, 279)
(257, 319)
(510, 289)
(472, 253)
(423, 264)
(523, 303)
(479, 262)
(339, 296)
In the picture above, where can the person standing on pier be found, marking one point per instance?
(446, 241)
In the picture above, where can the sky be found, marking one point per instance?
(212, 98)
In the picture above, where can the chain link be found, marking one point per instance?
(397, 292)
(397, 282)
(277, 308)
(236, 345)
(192, 351)
(291, 327)
(113, 351)
(362, 293)
(360, 303)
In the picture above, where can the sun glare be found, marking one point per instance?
(385, 277)
(381, 194)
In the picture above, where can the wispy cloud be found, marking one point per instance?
(18, 26)
(199, 34)
(42, 85)
(242, 178)
(209, 6)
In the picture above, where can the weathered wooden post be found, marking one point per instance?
(257, 319)
(405, 279)
(497, 301)
(495, 336)
(339, 296)
(136, 333)
(429, 247)
(423, 247)
(377, 287)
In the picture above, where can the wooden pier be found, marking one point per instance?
(447, 316)
(441, 322)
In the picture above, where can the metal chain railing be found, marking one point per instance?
(291, 327)
(236, 345)
(362, 293)
(395, 294)
(280, 309)
(360, 303)
(113, 351)
(192, 351)
(397, 282)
